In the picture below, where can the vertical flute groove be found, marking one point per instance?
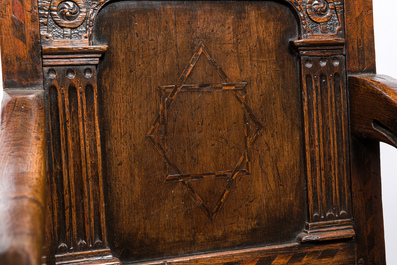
(344, 138)
(330, 145)
(99, 156)
(325, 138)
(62, 121)
(320, 131)
(83, 164)
(89, 171)
(71, 167)
(318, 143)
(309, 93)
(53, 114)
(334, 147)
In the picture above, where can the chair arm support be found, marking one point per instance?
(22, 178)
(373, 107)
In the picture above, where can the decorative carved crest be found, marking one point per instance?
(73, 20)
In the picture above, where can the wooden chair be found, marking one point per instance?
(192, 132)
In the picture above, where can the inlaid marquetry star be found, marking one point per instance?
(157, 133)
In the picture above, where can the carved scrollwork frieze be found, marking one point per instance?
(74, 20)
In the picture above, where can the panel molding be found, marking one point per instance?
(336, 253)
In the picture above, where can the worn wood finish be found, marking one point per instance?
(373, 116)
(191, 73)
(20, 44)
(365, 156)
(77, 207)
(334, 253)
(360, 45)
(374, 105)
(326, 139)
(22, 177)
(244, 126)
(265, 154)
(73, 21)
(367, 202)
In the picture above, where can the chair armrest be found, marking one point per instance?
(22, 177)
(373, 107)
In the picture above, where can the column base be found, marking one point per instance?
(92, 257)
(328, 230)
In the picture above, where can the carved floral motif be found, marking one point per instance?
(320, 10)
(68, 10)
(68, 14)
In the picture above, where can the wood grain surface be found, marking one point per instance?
(360, 45)
(334, 253)
(152, 45)
(373, 107)
(20, 44)
(213, 138)
(22, 178)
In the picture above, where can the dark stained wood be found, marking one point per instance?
(374, 107)
(334, 253)
(72, 55)
(373, 115)
(365, 156)
(22, 181)
(367, 202)
(326, 139)
(77, 208)
(20, 44)
(360, 45)
(203, 132)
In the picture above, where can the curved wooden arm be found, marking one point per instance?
(22, 178)
(373, 107)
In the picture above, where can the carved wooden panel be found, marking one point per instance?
(327, 124)
(74, 19)
(326, 136)
(223, 164)
(75, 159)
(235, 165)
(211, 131)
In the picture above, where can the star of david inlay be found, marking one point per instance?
(242, 167)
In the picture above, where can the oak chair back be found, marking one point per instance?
(211, 132)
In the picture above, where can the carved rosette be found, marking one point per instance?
(74, 19)
(325, 16)
(320, 10)
(68, 13)
(63, 19)
(326, 139)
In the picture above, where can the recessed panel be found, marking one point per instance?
(201, 126)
